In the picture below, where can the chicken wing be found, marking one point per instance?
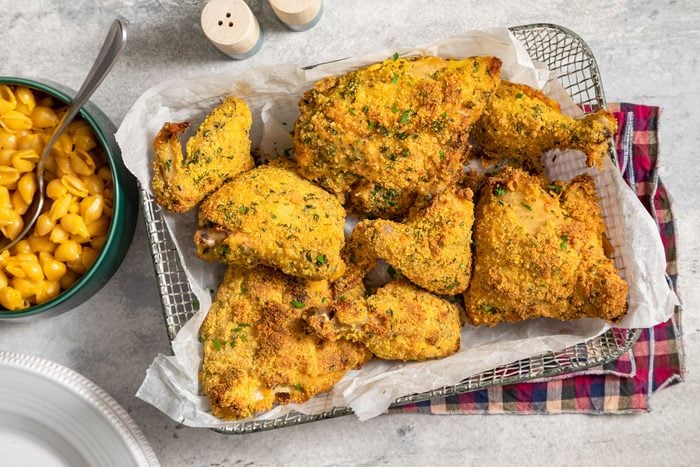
(399, 322)
(432, 248)
(257, 350)
(381, 136)
(539, 252)
(272, 216)
(521, 124)
(218, 151)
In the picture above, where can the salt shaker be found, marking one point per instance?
(232, 28)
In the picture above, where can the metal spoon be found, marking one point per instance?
(111, 49)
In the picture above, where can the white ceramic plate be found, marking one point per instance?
(52, 416)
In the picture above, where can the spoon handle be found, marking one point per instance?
(111, 48)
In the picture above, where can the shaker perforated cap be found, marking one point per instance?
(298, 15)
(231, 27)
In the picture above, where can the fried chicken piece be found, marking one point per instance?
(432, 248)
(399, 322)
(540, 253)
(257, 350)
(218, 151)
(521, 124)
(383, 135)
(272, 216)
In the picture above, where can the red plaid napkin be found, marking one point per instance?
(655, 361)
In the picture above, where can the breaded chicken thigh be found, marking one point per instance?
(257, 350)
(272, 216)
(521, 124)
(218, 151)
(539, 252)
(384, 135)
(432, 248)
(399, 322)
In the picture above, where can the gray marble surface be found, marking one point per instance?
(647, 52)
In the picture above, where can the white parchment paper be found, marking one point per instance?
(171, 382)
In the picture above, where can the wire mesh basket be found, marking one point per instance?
(569, 57)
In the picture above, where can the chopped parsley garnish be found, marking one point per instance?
(395, 108)
(564, 242)
(216, 343)
(297, 304)
(298, 387)
(489, 308)
(243, 210)
(320, 260)
(442, 154)
(499, 190)
(351, 110)
(555, 188)
(526, 206)
(405, 116)
(519, 95)
(394, 79)
(390, 312)
(395, 56)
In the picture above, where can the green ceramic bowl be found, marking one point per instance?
(126, 209)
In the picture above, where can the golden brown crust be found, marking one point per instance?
(539, 253)
(382, 136)
(399, 322)
(521, 124)
(257, 350)
(219, 150)
(432, 248)
(272, 216)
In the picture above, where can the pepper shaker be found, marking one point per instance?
(298, 15)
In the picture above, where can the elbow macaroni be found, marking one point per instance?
(70, 233)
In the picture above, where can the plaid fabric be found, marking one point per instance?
(655, 361)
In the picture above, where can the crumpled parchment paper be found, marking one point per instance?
(272, 92)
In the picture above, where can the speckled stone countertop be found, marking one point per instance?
(647, 52)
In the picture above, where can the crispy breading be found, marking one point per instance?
(539, 252)
(219, 150)
(399, 322)
(521, 124)
(382, 136)
(257, 350)
(272, 216)
(432, 248)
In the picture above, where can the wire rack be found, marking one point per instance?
(569, 57)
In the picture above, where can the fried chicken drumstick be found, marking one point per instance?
(432, 248)
(521, 124)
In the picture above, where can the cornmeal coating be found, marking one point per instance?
(432, 248)
(257, 350)
(398, 322)
(521, 124)
(272, 216)
(218, 151)
(382, 136)
(539, 252)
